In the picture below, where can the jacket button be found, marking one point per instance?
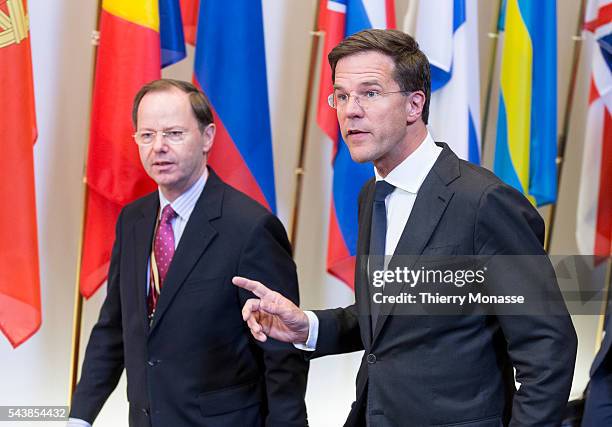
(145, 412)
(152, 362)
(371, 358)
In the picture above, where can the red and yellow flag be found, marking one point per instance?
(20, 313)
(129, 56)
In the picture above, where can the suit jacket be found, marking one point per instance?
(196, 364)
(434, 370)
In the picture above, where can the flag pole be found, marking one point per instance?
(492, 62)
(77, 316)
(299, 169)
(577, 38)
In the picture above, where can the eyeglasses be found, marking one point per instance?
(339, 100)
(145, 138)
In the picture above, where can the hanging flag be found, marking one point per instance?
(20, 314)
(189, 13)
(526, 145)
(594, 222)
(339, 19)
(130, 54)
(230, 67)
(447, 32)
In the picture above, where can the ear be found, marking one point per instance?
(209, 137)
(414, 106)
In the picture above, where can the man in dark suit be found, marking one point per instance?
(421, 369)
(171, 317)
(598, 403)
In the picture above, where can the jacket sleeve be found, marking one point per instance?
(267, 258)
(338, 331)
(541, 340)
(103, 363)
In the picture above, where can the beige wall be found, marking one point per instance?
(37, 372)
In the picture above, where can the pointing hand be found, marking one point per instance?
(272, 315)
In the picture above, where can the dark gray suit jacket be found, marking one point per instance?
(432, 370)
(197, 365)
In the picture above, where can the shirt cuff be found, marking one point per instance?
(313, 333)
(76, 422)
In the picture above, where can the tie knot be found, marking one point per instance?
(381, 190)
(168, 214)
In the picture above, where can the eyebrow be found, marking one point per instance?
(363, 84)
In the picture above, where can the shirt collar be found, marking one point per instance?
(183, 205)
(411, 172)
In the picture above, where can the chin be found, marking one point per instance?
(162, 180)
(361, 156)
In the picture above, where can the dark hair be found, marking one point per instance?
(199, 102)
(411, 65)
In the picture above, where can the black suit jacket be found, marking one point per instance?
(434, 370)
(197, 364)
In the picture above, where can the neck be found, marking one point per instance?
(413, 140)
(171, 194)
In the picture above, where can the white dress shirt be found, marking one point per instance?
(183, 206)
(407, 177)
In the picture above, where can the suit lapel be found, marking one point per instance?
(144, 229)
(196, 237)
(362, 286)
(431, 202)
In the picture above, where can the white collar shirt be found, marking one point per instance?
(183, 205)
(407, 178)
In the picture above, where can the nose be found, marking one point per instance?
(159, 142)
(353, 108)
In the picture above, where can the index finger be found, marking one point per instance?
(251, 285)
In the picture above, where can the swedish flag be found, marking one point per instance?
(526, 145)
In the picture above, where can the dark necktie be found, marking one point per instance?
(163, 249)
(378, 237)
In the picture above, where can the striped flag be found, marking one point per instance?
(526, 144)
(130, 54)
(338, 19)
(230, 67)
(20, 314)
(594, 222)
(447, 32)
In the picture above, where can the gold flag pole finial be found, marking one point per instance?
(15, 25)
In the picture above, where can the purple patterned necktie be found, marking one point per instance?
(163, 248)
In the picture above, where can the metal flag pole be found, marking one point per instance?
(77, 316)
(485, 120)
(299, 169)
(577, 38)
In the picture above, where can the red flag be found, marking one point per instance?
(189, 14)
(20, 313)
(332, 21)
(128, 57)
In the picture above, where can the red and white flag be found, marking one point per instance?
(594, 222)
